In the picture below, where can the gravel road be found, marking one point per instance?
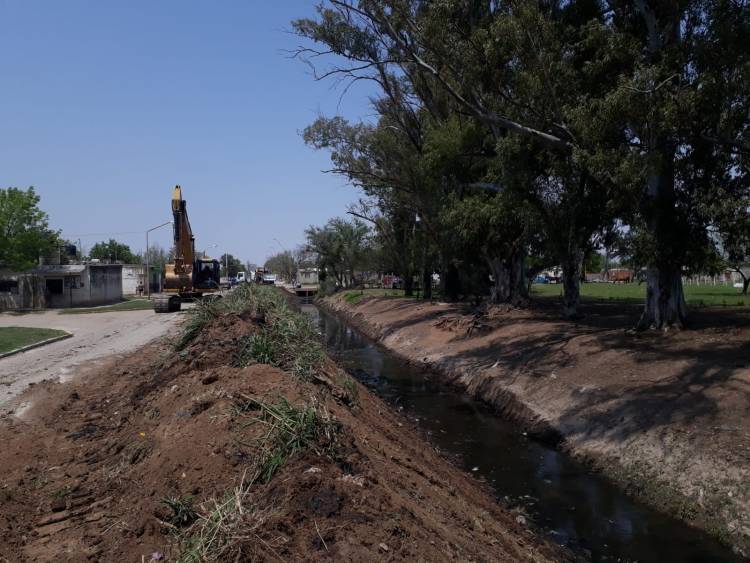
(96, 336)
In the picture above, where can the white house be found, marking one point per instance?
(81, 285)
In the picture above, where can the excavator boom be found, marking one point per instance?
(184, 241)
(189, 276)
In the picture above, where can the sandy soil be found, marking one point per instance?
(110, 445)
(665, 415)
(96, 336)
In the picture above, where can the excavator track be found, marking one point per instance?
(166, 303)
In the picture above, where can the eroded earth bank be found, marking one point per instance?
(236, 439)
(664, 416)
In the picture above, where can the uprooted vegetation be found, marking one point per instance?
(242, 442)
(286, 339)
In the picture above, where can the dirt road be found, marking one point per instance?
(95, 336)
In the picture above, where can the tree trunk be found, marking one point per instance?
(572, 271)
(450, 282)
(665, 301)
(427, 282)
(745, 284)
(509, 281)
(408, 285)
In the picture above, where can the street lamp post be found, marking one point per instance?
(148, 271)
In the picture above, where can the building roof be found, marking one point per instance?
(59, 269)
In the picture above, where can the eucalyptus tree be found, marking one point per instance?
(481, 61)
(641, 106)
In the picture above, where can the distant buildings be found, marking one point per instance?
(307, 276)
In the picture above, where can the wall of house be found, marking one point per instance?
(105, 284)
(132, 276)
(70, 290)
(307, 277)
(21, 291)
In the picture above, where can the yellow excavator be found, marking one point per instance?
(189, 276)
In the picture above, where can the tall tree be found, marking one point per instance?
(24, 229)
(635, 109)
(157, 257)
(113, 251)
(235, 265)
(342, 248)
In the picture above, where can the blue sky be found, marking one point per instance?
(105, 106)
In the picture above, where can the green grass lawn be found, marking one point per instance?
(695, 295)
(12, 337)
(129, 305)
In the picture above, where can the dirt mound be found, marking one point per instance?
(126, 463)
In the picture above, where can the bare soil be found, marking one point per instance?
(85, 468)
(663, 414)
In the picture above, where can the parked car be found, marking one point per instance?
(541, 279)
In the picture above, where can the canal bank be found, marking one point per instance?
(237, 439)
(551, 378)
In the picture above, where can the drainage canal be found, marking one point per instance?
(576, 507)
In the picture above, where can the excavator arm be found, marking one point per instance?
(184, 241)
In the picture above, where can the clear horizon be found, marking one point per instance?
(107, 107)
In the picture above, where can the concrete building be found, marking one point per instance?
(132, 277)
(81, 285)
(307, 276)
(19, 292)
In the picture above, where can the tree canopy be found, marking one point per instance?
(529, 133)
(235, 265)
(114, 251)
(342, 248)
(24, 231)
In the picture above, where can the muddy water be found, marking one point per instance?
(575, 507)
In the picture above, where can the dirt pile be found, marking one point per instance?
(162, 454)
(664, 415)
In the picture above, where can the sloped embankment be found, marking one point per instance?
(245, 443)
(663, 415)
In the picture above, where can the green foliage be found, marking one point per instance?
(183, 512)
(235, 265)
(341, 247)
(114, 251)
(291, 430)
(24, 230)
(157, 257)
(606, 118)
(256, 348)
(287, 339)
(13, 337)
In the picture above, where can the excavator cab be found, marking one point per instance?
(206, 273)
